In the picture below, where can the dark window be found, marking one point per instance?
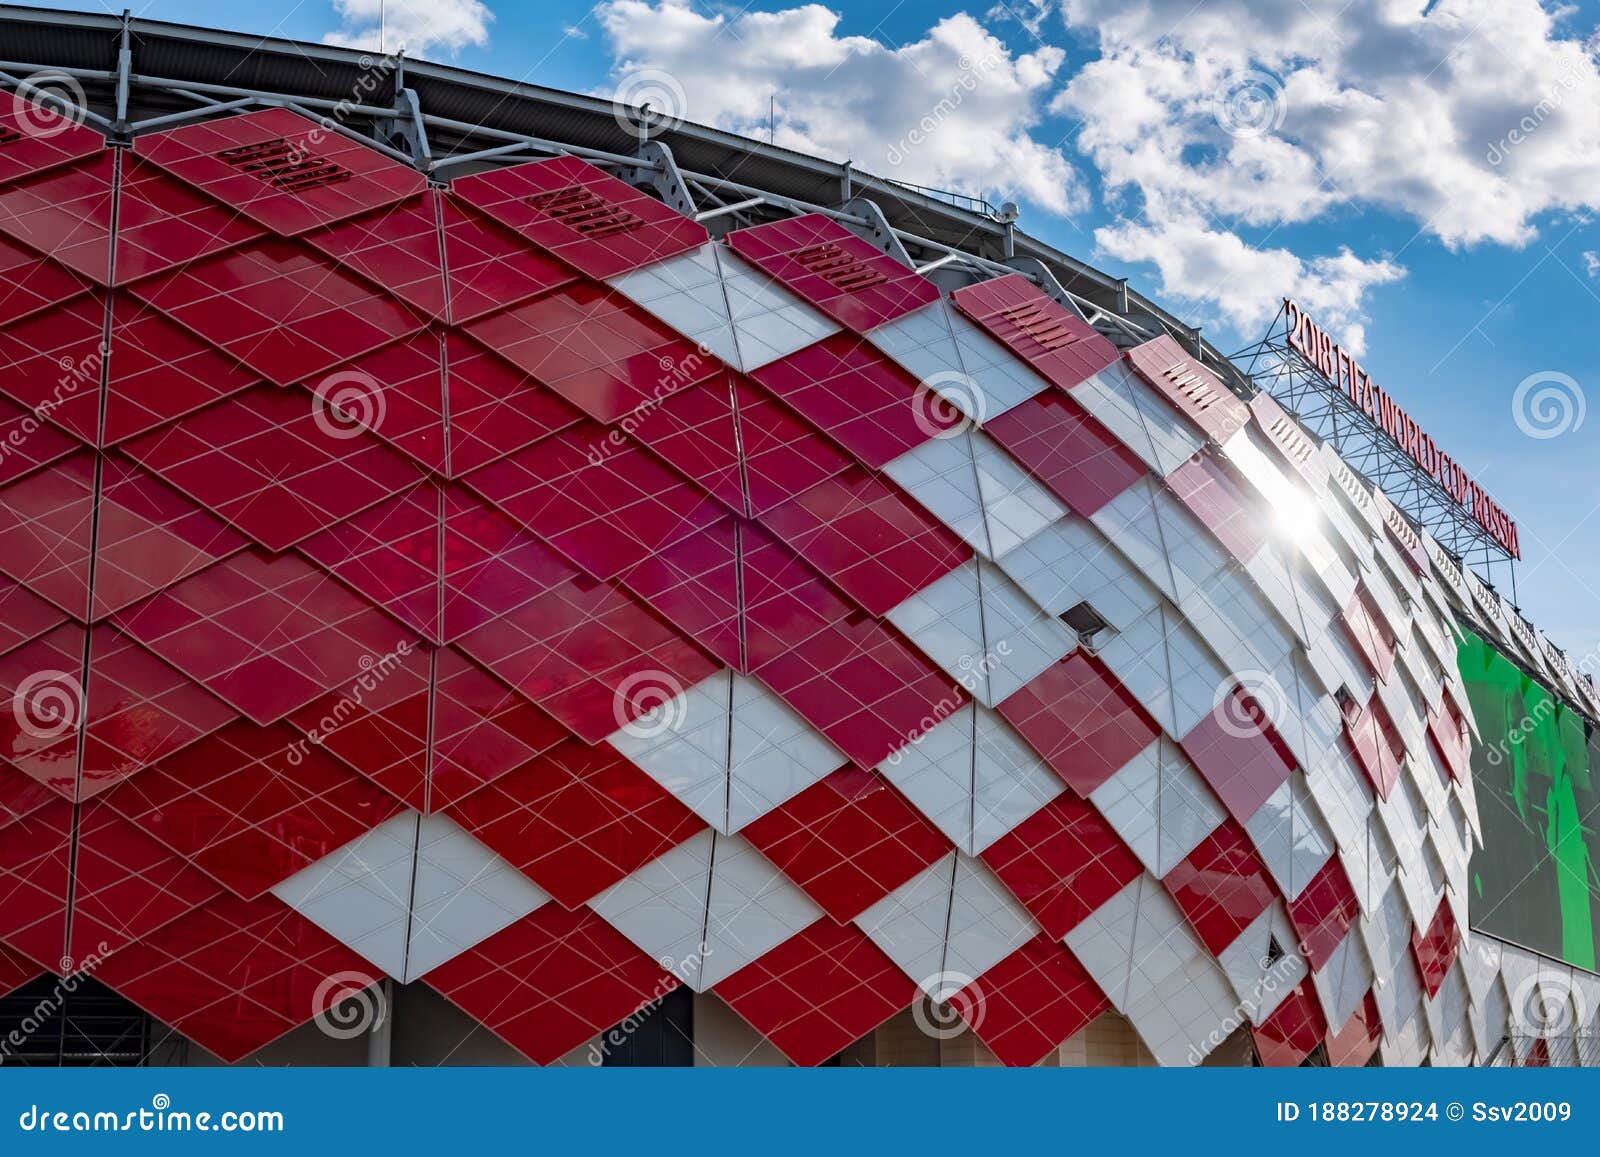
(659, 1036)
(89, 1025)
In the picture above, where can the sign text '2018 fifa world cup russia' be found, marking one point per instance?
(1336, 364)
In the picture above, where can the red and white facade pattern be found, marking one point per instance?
(508, 588)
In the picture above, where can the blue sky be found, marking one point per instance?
(1426, 175)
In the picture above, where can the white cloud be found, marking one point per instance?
(1215, 272)
(1470, 117)
(953, 109)
(1591, 262)
(415, 25)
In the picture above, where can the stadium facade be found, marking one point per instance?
(486, 576)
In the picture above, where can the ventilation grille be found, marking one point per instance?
(1040, 324)
(1292, 441)
(9, 135)
(838, 268)
(1353, 489)
(1401, 529)
(1192, 384)
(285, 165)
(584, 211)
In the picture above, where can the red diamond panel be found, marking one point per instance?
(163, 223)
(596, 349)
(149, 537)
(589, 219)
(161, 372)
(841, 274)
(495, 409)
(1066, 449)
(1222, 886)
(1435, 950)
(491, 267)
(15, 970)
(866, 535)
(1083, 722)
(1215, 496)
(287, 313)
(851, 677)
(233, 974)
(1377, 744)
(140, 711)
(1239, 753)
(481, 730)
(818, 991)
(597, 498)
(859, 397)
(550, 981)
(1042, 332)
(1323, 913)
(1031, 1001)
(1295, 1028)
(126, 885)
(1194, 391)
(1062, 862)
(848, 840)
(45, 524)
(576, 819)
(265, 165)
(31, 283)
(274, 465)
(250, 806)
(267, 634)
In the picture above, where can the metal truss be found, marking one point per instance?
(1327, 412)
(385, 113)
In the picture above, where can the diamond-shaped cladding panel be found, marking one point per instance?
(1222, 886)
(234, 974)
(1041, 331)
(251, 805)
(576, 819)
(1031, 1001)
(551, 980)
(848, 840)
(1239, 753)
(280, 169)
(596, 349)
(265, 633)
(1081, 720)
(1193, 390)
(1066, 449)
(841, 274)
(589, 219)
(818, 991)
(271, 463)
(1062, 862)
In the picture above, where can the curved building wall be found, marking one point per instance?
(508, 594)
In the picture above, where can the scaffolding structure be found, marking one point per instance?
(1328, 413)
